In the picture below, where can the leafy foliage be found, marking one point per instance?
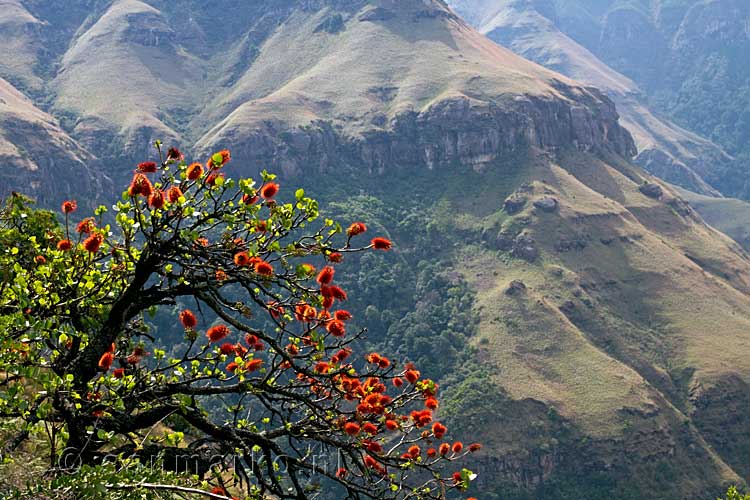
(262, 403)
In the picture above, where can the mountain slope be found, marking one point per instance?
(665, 149)
(38, 158)
(688, 56)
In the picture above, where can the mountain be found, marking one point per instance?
(38, 158)
(539, 273)
(664, 148)
(687, 56)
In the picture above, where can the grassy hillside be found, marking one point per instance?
(728, 215)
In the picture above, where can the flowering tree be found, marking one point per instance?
(267, 387)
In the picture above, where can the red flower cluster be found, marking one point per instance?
(188, 319)
(86, 225)
(381, 244)
(146, 167)
(217, 333)
(264, 268)
(173, 194)
(356, 228)
(69, 206)
(156, 200)
(194, 171)
(269, 190)
(225, 157)
(64, 245)
(93, 243)
(140, 185)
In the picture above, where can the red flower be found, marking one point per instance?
(194, 171)
(373, 447)
(304, 312)
(421, 418)
(431, 403)
(86, 225)
(370, 428)
(173, 194)
(225, 157)
(140, 185)
(381, 244)
(221, 275)
(232, 367)
(342, 315)
(188, 319)
(264, 268)
(336, 328)
(335, 257)
(341, 473)
(241, 259)
(370, 462)
(384, 363)
(93, 242)
(474, 447)
(325, 276)
(292, 349)
(146, 167)
(327, 304)
(457, 478)
(227, 348)
(391, 425)
(40, 259)
(105, 362)
(439, 430)
(431, 452)
(398, 382)
(118, 372)
(444, 448)
(156, 199)
(351, 428)
(69, 206)
(337, 293)
(414, 451)
(175, 154)
(64, 245)
(412, 376)
(217, 333)
(269, 190)
(249, 200)
(253, 365)
(356, 228)
(457, 447)
(322, 367)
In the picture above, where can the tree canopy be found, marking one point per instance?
(266, 398)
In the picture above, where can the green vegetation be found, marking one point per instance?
(269, 394)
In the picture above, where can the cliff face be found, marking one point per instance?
(456, 131)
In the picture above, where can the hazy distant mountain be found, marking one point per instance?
(535, 30)
(604, 325)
